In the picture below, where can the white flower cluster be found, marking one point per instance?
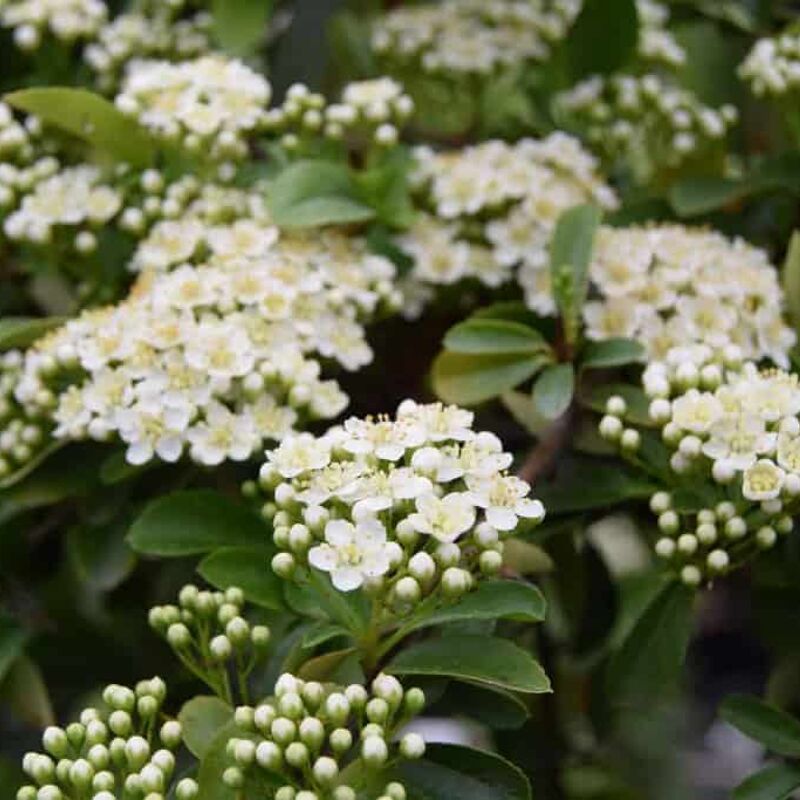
(473, 36)
(122, 750)
(772, 67)
(310, 732)
(656, 43)
(213, 358)
(404, 507)
(72, 198)
(734, 434)
(66, 20)
(646, 120)
(211, 104)
(137, 35)
(492, 207)
(371, 110)
(669, 285)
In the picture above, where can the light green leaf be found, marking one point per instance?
(525, 558)
(450, 771)
(25, 693)
(479, 336)
(195, 521)
(201, 719)
(24, 331)
(241, 25)
(384, 188)
(314, 193)
(471, 379)
(791, 278)
(775, 729)
(552, 393)
(612, 353)
(325, 668)
(520, 406)
(482, 659)
(91, 118)
(771, 783)
(248, 568)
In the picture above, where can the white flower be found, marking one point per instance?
(222, 435)
(300, 453)
(351, 553)
(763, 481)
(446, 518)
(696, 411)
(388, 440)
(440, 422)
(504, 498)
(149, 433)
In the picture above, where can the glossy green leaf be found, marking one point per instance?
(771, 783)
(25, 694)
(472, 379)
(315, 193)
(12, 642)
(201, 719)
(482, 659)
(775, 729)
(100, 555)
(195, 521)
(650, 659)
(248, 568)
(240, 25)
(612, 353)
(791, 278)
(450, 771)
(484, 336)
(321, 632)
(553, 391)
(495, 708)
(24, 331)
(603, 38)
(325, 668)
(90, 117)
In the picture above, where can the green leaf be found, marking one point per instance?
(482, 659)
(638, 403)
(570, 255)
(771, 783)
(195, 521)
(25, 693)
(520, 406)
(650, 659)
(201, 719)
(100, 556)
(325, 668)
(385, 189)
(603, 38)
(479, 336)
(241, 25)
(552, 393)
(248, 568)
(24, 331)
(791, 278)
(775, 729)
(612, 353)
(450, 771)
(499, 710)
(91, 118)
(314, 193)
(525, 558)
(321, 632)
(12, 641)
(471, 379)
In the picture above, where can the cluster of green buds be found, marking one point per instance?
(124, 750)
(309, 733)
(370, 111)
(210, 635)
(732, 476)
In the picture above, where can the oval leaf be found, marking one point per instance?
(201, 719)
(603, 38)
(240, 25)
(451, 771)
(249, 569)
(24, 331)
(612, 353)
(196, 521)
(482, 659)
(470, 379)
(775, 729)
(773, 783)
(494, 336)
(553, 391)
(91, 118)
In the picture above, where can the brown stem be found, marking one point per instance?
(543, 455)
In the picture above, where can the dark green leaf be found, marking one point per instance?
(201, 719)
(315, 193)
(385, 189)
(100, 555)
(449, 771)
(325, 667)
(498, 709)
(24, 331)
(12, 642)
(791, 278)
(321, 632)
(25, 693)
(241, 25)
(484, 336)
(195, 521)
(603, 38)
(520, 405)
(471, 379)
(248, 568)
(772, 783)
(612, 353)
(91, 118)
(650, 659)
(482, 659)
(552, 393)
(775, 729)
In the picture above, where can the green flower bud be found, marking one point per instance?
(325, 770)
(120, 723)
(377, 710)
(103, 782)
(147, 707)
(62, 770)
(372, 729)
(455, 582)
(337, 707)
(357, 696)
(285, 793)
(260, 636)
(156, 688)
(263, 717)
(283, 730)
(374, 751)
(283, 565)
(42, 769)
(227, 612)
(133, 785)
(233, 778)
(187, 789)
(344, 793)
(49, 793)
(137, 752)
(96, 733)
(244, 753)
(312, 694)
(312, 732)
(205, 604)
(76, 734)
(117, 750)
(81, 774)
(414, 701)
(407, 590)
(171, 734)
(291, 705)
(234, 595)
(244, 717)
(269, 756)
(27, 793)
(490, 562)
(296, 755)
(98, 756)
(151, 778)
(412, 745)
(54, 741)
(396, 791)
(306, 795)
(238, 631)
(341, 740)
(178, 636)
(220, 648)
(164, 760)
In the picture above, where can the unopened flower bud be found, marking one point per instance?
(412, 746)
